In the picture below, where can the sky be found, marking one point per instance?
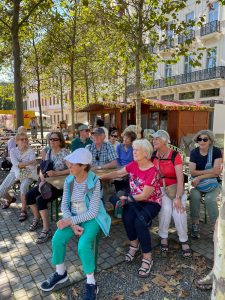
(6, 75)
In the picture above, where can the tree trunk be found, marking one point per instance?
(137, 68)
(72, 93)
(17, 65)
(218, 291)
(61, 95)
(38, 87)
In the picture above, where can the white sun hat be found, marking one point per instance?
(80, 156)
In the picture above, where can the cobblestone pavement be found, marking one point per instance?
(24, 264)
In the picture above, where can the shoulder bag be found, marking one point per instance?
(207, 185)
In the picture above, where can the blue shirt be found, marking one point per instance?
(124, 156)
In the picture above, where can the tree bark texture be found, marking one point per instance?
(218, 292)
(17, 65)
(61, 95)
(38, 86)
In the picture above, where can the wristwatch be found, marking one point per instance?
(178, 197)
(99, 167)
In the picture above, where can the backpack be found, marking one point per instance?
(173, 157)
(6, 165)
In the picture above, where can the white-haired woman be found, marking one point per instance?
(24, 161)
(205, 163)
(145, 189)
(169, 164)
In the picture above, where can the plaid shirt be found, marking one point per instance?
(103, 156)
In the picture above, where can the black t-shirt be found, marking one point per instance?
(201, 160)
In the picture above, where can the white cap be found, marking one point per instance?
(162, 134)
(80, 156)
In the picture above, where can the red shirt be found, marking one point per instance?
(139, 178)
(166, 168)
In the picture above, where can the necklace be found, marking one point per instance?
(163, 155)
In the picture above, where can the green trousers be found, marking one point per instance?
(210, 203)
(85, 245)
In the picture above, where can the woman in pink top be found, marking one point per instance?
(145, 189)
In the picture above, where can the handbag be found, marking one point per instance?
(170, 190)
(208, 184)
(45, 189)
(46, 165)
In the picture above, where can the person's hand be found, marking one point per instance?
(61, 224)
(217, 169)
(32, 162)
(21, 165)
(177, 204)
(195, 181)
(51, 173)
(78, 230)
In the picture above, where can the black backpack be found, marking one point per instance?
(174, 154)
(6, 165)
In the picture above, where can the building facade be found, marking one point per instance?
(205, 83)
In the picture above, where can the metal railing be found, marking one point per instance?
(190, 35)
(201, 75)
(211, 27)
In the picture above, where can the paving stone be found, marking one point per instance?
(76, 276)
(33, 292)
(20, 293)
(6, 294)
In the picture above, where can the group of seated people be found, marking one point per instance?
(156, 187)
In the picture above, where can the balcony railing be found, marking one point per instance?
(201, 75)
(167, 44)
(211, 27)
(189, 36)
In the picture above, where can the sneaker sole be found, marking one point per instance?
(61, 281)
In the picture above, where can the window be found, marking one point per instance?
(188, 95)
(213, 12)
(168, 70)
(187, 65)
(209, 93)
(168, 97)
(211, 58)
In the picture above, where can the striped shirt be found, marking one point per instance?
(78, 211)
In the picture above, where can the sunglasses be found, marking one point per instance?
(115, 136)
(54, 139)
(24, 140)
(202, 140)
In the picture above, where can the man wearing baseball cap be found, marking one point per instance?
(83, 140)
(103, 153)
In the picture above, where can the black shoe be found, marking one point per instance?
(91, 292)
(52, 281)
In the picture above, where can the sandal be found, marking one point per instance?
(23, 216)
(145, 270)
(205, 283)
(186, 252)
(164, 247)
(130, 255)
(8, 203)
(34, 225)
(44, 236)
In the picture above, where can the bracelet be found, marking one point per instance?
(178, 197)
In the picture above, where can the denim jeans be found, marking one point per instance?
(210, 203)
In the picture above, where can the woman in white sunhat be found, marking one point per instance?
(83, 215)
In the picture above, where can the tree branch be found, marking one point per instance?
(6, 24)
(30, 12)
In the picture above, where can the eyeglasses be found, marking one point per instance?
(202, 140)
(115, 136)
(54, 139)
(24, 140)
